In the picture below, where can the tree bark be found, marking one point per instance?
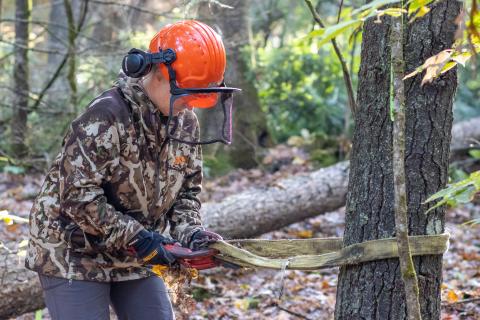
(250, 126)
(20, 80)
(374, 290)
(245, 215)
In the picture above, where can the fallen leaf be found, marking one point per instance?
(12, 227)
(452, 296)
(303, 234)
(325, 285)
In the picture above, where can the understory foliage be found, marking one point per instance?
(291, 62)
(300, 89)
(458, 193)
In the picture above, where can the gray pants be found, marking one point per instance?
(87, 300)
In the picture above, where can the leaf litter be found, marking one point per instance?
(254, 294)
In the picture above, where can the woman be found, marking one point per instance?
(130, 167)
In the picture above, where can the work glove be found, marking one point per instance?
(202, 238)
(149, 247)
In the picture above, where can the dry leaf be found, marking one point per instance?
(452, 296)
(325, 285)
(242, 304)
(13, 227)
(462, 58)
(433, 66)
(303, 234)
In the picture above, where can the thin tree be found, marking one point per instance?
(20, 80)
(250, 127)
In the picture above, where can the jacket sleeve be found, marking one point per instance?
(91, 151)
(184, 216)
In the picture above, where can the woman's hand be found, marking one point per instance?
(202, 238)
(149, 248)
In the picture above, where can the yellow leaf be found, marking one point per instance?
(434, 65)
(9, 218)
(420, 13)
(394, 12)
(8, 221)
(193, 273)
(242, 304)
(462, 57)
(452, 296)
(304, 234)
(244, 286)
(160, 270)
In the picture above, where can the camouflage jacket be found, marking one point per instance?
(116, 174)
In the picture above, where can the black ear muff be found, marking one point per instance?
(137, 63)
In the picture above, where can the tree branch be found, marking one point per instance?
(339, 11)
(64, 60)
(130, 6)
(346, 74)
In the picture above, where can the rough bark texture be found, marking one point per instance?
(250, 126)
(245, 215)
(20, 80)
(374, 290)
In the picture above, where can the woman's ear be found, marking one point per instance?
(158, 74)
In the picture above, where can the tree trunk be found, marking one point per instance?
(288, 201)
(20, 79)
(250, 126)
(374, 290)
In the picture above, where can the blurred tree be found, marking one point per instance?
(20, 79)
(374, 290)
(250, 127)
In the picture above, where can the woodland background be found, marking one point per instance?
(293, 117)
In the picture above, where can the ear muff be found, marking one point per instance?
(137, 63)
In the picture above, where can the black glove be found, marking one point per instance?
(148, 247)
(202, 238)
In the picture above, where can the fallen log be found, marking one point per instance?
(19, 288)
(257, 211)
(465, 134)
(248, 214)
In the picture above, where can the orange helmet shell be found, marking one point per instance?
(201, 58)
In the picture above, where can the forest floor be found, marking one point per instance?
(256, 294)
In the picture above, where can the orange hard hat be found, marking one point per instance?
(200, 57)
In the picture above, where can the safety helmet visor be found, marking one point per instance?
(213, 108)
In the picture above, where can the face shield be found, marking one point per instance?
(213, 107)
